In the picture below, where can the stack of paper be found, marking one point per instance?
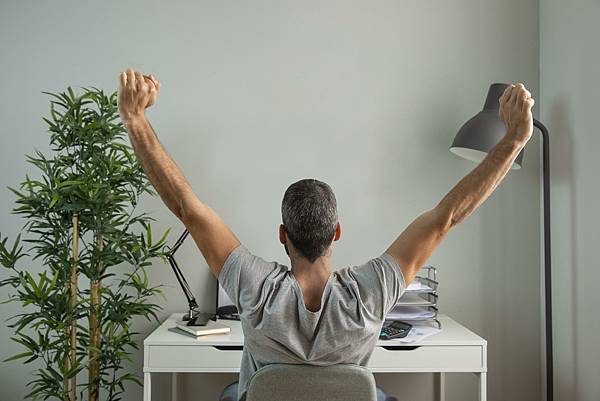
(414, 300)
(407, 312)
(418, 286)
(419, 303)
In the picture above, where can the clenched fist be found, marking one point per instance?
(137, 92)
(515, 111)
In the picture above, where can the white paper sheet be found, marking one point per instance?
(402, 312)
(418, 286)
(413, 299)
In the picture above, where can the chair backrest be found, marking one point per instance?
(281, 382)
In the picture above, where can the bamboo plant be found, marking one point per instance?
(93, 245)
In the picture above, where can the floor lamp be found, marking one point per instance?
(473, 142)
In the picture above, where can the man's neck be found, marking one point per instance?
(312, 279)
(311, 274)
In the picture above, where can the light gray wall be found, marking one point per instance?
(569, 61)
(364, 95)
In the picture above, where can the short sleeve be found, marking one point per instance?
(243, 276)
(380, 284)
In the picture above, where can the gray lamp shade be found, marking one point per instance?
(481, 133)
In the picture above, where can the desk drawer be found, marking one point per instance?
(182, 358)
(428, 359)
(185, 358)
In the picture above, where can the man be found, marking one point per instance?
(309, 314)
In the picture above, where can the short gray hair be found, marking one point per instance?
(309, 213)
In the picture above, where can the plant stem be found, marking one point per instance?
(95, 288)
(66, 364)
(74, 294)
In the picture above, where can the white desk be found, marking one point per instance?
(455, 349)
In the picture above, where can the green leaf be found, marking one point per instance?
(19, 194)
(149, 235)
(55, 198)
(19, 356)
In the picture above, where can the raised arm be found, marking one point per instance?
(418, 241)
(212, 236)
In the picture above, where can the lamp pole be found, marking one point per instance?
(547, 258)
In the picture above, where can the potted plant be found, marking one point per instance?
(83, 226)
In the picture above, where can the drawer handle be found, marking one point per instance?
(399, 347)
(229, 347)
(387, 347)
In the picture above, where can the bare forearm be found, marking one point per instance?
(163, 173)
(474, 189)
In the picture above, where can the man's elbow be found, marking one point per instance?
(177, 209)
(445, 220)
(190, 213)
(180, 210)
(184, 215)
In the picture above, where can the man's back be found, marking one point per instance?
(278, 328)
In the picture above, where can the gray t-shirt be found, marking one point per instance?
(279, 329)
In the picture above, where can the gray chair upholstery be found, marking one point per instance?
(280, 382)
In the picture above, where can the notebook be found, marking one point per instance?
(211, 327)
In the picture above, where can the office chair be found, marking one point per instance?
(282, 382)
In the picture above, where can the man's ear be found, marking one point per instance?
(338, 232)
(282, 234)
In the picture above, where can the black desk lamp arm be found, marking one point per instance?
(193, 305)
